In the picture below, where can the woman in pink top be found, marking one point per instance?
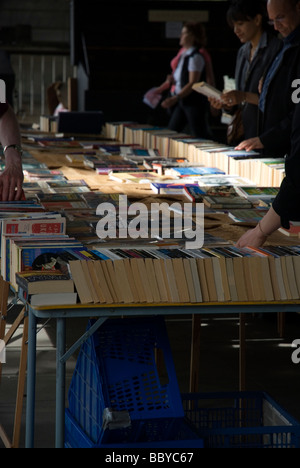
(188, 107)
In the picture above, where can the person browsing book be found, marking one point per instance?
(249, 21)
(11, 179)
(209, 69)
(276, 104)
(188, 107)
(286, 205)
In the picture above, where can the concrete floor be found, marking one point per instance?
(268, 366)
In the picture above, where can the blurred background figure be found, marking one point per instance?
(156, 95)
(8, 75)
(189, 110)
(57, 98)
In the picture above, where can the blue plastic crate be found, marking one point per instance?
(184, 436)
(241, 420)
(116, 368)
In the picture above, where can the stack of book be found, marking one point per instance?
(67, 186)
(43, 288)
(32, 242)
(59, 202)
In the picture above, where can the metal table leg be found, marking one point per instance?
(31, 378)
(60, 382)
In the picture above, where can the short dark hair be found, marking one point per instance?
(245, 10)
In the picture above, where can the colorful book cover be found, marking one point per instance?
(33, 226)
(194, 193)
(294, 229)
(194, 171)
(258, 192)
(170, 188)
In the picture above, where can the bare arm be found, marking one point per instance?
(256, 237)
(194, 77)
(11, 179)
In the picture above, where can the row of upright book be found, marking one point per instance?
(208, 275)
(218, 272)
(262, 171)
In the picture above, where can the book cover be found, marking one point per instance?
(139, 154)
(235, 154)
(225, 202)
(193, 171)
(194, 193)
(22, 227)
(257, 192)
(293, 231)
(251, 215)
(40, 258)
(170, 188)
(223, 179)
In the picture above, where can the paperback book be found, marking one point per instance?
(257, 192)
(293, 231)
(207, 90)
(193, 171)
(253, 215)
(37, 282)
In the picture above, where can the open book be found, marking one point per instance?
(206, 89)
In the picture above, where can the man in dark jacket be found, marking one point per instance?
(276, 104)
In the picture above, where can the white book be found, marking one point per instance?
(207, 90)
(53, 299)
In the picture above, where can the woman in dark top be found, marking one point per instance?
(286, 206)
(249, 21)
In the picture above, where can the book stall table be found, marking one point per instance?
(102, 313)
(215, 157)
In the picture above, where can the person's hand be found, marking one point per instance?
(232, 98)
(216, 103)
(250, 144)
(252, 238)
(11, 180)
(169, 102)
